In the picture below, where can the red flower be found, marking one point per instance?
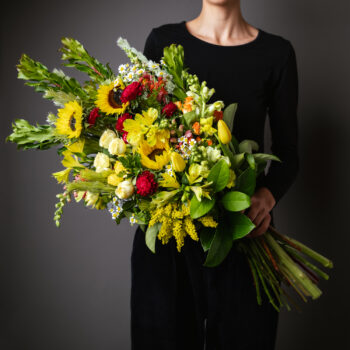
(145, 184)
(218, 115)
(169, 109)
(120, 122)
(125, 134)
(93, 116)
(131, 92)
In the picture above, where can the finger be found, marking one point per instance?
(262, 227)
(260, 217)
(253, 211)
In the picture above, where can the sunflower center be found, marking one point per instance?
(154, 153)
(72, 121)
(114, 98)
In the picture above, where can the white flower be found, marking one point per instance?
(101, 162)
(140, 71)
(130, 76)
(91, 198)
(213, 154)
(122, 69)
(117, 147)
(107, 136)
(125, 189)
(132, 220)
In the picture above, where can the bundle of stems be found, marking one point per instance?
(277, 261)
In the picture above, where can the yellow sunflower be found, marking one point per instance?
(69, 121)
(108, 98)
(154, 157)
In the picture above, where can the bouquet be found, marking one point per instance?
(147, 145)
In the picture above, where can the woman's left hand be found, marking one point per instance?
(262, 202)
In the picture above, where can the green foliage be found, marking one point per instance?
(246, 181)
(248, 146)
(38, 76)
(151, 236)
(28, 136)
(91, 186)
(229, 115)
(173, 57)
(131, 162)
(240, 225)
(220, 245)
(219, 175)
(206, 235)
(63, 198)
(189, 118)
(76, 55)
(200, 208)
(235, 201)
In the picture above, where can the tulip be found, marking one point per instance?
(224, 132)
(177, 162)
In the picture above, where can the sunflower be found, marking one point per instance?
(69, 121)
(154, 157)
(108, 98)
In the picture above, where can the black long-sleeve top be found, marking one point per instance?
(261, 76)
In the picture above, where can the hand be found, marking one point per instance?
(262, 202)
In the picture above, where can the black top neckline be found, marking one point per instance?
(249, 44)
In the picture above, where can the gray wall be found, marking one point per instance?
(69, 288)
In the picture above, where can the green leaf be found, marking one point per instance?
(200, 208)
(219, 175)
(206, 235)
(248, 146)
(251, 160)
(240, 225)
(151, 236)
(246, 182)
(229, 115)
(259, 157)
(220, 245)
(235, 201)
(189, 118)
(237, 160)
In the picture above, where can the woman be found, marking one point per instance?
(176, 303)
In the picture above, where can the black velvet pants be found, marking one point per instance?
(176, 303)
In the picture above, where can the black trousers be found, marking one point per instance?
(176, 303)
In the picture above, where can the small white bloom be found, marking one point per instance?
(107, 136)
(213, 154)
(132, 220)
(125, 189)
(122, 69)
(101, 162)
(117, 147)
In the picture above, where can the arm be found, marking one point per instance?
(282, 111)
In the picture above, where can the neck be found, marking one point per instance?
(222, 22)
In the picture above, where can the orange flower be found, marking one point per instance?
(178, 104)
(198, 138)
(187, 106)
(209, 142)
(196, 128)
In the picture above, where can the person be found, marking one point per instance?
(176, 302)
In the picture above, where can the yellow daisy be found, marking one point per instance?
(69, 121)
(154, 157)
(108, 98)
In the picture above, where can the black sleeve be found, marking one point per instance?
(152, 50)
(282, 112)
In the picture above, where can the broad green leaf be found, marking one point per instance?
(151, 236)
(238, 159)
(229, 115)
(251, 161)
(264, 157)
(200, 208)
(219, 175)
(235, 201)
(206, 235)
(220, 245)
(248, 146)
(189, 118)
(246, 182)
(240, 225)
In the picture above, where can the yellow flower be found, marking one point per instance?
(101, 162)
(231, 181)
(114, 179)
(139, 126)
(62, 176)
(224, 132)
(69, 119)
(108, 98)
(206, 126)
(169, 181)
(118, 167)
(178, 163)
(154, 157)
(208, 221)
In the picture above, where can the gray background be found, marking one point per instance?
(69, 288)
